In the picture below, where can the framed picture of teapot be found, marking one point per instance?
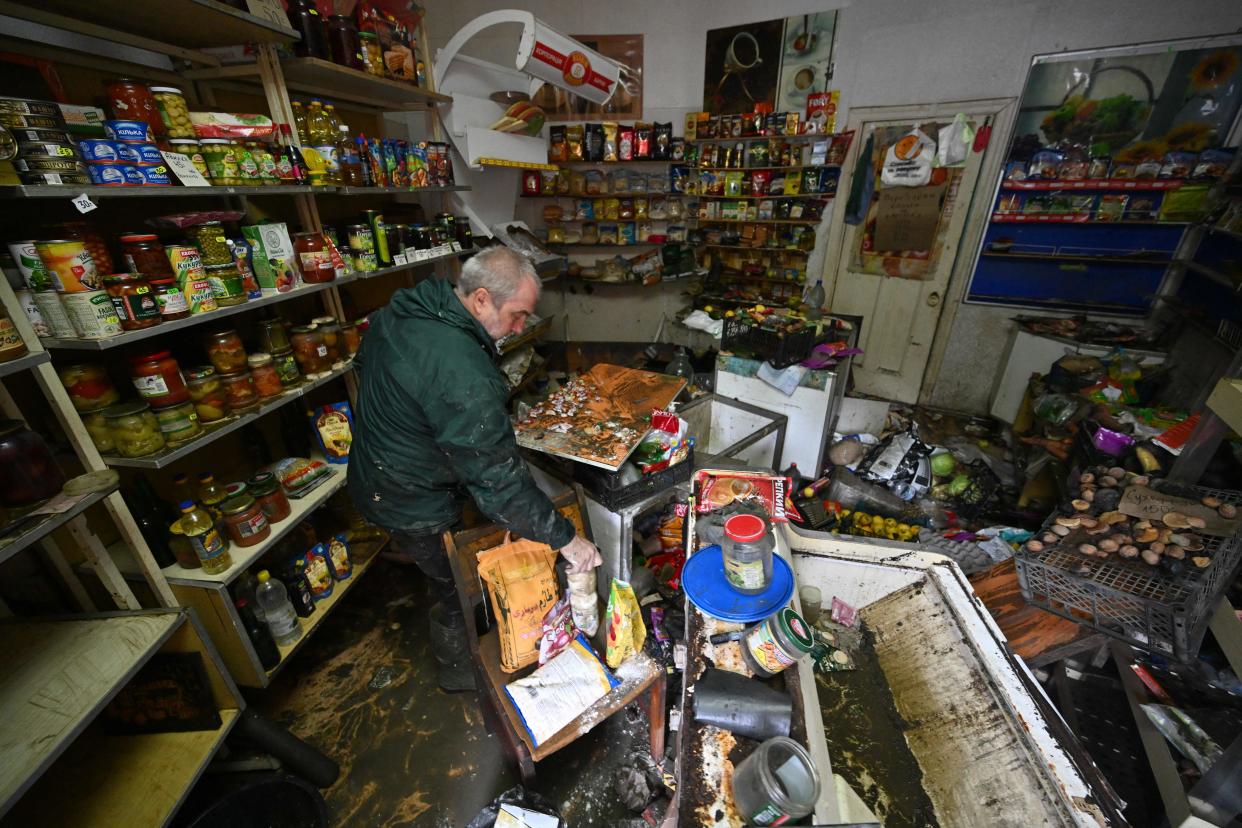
(774, 62)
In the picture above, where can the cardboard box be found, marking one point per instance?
(275, 260)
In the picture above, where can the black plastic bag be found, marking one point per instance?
(520, 797)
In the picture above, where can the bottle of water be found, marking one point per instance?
(281, 619)
(814, 301)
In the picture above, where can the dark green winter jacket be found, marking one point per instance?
(431, 424)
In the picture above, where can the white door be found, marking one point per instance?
(901, 295)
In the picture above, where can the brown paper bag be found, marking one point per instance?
(522, 583)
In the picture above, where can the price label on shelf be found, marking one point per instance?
(84, 203)
(401, 258)
(456, 247)
(421, 255)
(270, 10)
(187, 173)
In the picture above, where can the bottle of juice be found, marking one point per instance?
(210, 546)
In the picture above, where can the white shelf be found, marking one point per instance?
(23, 363)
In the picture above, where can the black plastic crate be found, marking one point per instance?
(606, 487)
(1129, 600)
(777, 347)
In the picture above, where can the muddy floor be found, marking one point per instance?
(363, 691)
(868, 746)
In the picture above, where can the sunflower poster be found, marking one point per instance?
(1133, 108)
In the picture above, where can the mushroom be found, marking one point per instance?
(1211, 502)
(1175, 520)
(1034, 546)
(1165, 534)
(1201, 561)
(1175, 552)
(1128, 551)
(1086, 477)
(1113, 517)
(1087, 549)
(1146, 535)
(1050, 537)
(1080, 505)
(1193, 543)
(1143, 524)
(1108, 481)
(1061, 530)
(1087, 522)
(1228, 511)
(1117, 472)
(1196, 522)
(1071, 522)
(1157, 547)
(1109, 545)
(1149, 557)
(1088, 494)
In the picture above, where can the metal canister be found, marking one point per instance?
(34, 274)
(187, 263)
(69, 263)
(362, 248)
(25, 298)
(92, 314)
(375, 219)
(54, 314)
(199, 295)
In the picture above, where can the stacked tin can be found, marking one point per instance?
(45, 152)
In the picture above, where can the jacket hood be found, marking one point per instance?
(435, 299)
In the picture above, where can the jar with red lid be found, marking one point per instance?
(245, 522)
(129, 100)
(226, 352)
(28, 471)
(134, 301)
(144, 254)
(211, 401)
(267, 492)
(240, 390)
(309, 350)
(263, 372)
(169, 298)
(157, 376)
(314, 260)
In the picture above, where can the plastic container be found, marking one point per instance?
(777, 643)
(245, 521)
(135, 431)
(747, 551)
(780, 349)
(205, 540)
(28, 471)
(777, 784)
(278, 612)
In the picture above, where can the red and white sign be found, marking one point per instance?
(564, 62)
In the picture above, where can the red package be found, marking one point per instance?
(532, 183)
(717, 489)
(642, 140)
(665, 421)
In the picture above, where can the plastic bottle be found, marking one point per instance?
(183, 489)
(282, 621)
(322, 140)
(583, 602)
(244, 589)
(299, 122)
(211, 494)
(297, 164)
(211, 547)
(815, 298)
(679, 365)
(348, 159)
(260, 635)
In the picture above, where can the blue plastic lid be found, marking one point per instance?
(703, 579)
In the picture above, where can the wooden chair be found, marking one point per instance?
(642, 674)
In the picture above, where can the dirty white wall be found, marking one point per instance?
(888, 52)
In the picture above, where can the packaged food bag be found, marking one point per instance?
(561, 690)
(523, 588)
(558, 631)
(626, 633)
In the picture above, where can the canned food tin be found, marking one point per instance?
(129, 131)
(92, 314)
(61, 179)
(69, 263)
(26, 299)
(49, 165)
(13, 119)
(199, 295)
(111, 175)
(99, 151)
(33, 271)
(139, 153)
(186, 263)
(154, 174)
(53, 312)
(25, 106)
(45, 149)
(50, 136)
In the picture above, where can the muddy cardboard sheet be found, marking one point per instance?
(600, 417)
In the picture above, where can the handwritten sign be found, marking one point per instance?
(270, 10)
(83, 203)
(1148, 504)
(187, 173)
(907, 217)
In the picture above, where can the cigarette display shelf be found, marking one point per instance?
(1079, 259)
(1097, 185)
(214, 431)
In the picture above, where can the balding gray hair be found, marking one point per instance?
(500, 271)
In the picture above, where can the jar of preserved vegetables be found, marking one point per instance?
(227, 285)
(170, 299)
(267, 492)
(134, 301)
(157, 376)
(174, 111)
(286, 367)
(144, 254)
(178, 423)
(272, 336)
(263, 372)
(212, 243)
(28, 471)
(350, 338)
(134, 429)
(226, 352)
(97, 428)
(344, 43)
(190, 148)
(372, 53)
(330, 330)
(88, 386)
(241, 391)
(221, 163)
(211, 401)
(314, 260)
(309, 350)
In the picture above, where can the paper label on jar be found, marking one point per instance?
(744, 574)
(152, 386)
(199, 296)
(26, 299)
(252, 526)
(171, 302)
(207, 545)
(766, 650)
(10, 339)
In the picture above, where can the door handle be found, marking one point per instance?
(933, 299)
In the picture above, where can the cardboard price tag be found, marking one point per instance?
(84, 203)
(185, 170)
(1146, 503)
(401, 259)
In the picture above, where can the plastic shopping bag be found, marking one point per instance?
(908, 162)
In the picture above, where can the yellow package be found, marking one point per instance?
(523, 587)
(626, 633)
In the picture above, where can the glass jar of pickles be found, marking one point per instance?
(309, 350)
(97, 428)
(286, 367)
(88, 386)
(241, 392)
(221, 158)
(227, 285)
(173, 110)
(178, 423)
(263, 372)
(226, 352)
(330, 330)
(190, 148)
(272, 336)
(135, 431)
(350, 338)
(211, 401)
(372, 53)
(212, 243)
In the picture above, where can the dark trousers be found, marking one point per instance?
(429, 554)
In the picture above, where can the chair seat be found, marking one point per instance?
(636, 675)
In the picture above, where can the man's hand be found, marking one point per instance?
(582, 555)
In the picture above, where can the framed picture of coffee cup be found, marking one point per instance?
(741, 67)
(806, 59)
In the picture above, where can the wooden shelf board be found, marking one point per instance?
(50, 523)
(359, 191)
(193, 24)
(322, 77)
(339, 590)
(68, 192)
(60, 674)
(23, 363)
(213, 432)
(802, 136)
(756, 249)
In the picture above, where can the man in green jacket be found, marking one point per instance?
(431, 428)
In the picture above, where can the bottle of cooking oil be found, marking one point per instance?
(200, 530)
(211, 494)
(299, 122)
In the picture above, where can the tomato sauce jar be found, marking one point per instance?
(245, 522)
(157, 376)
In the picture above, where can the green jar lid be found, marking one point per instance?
(796, 629)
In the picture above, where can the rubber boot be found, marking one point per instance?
(452, 653)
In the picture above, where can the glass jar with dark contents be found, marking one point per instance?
(144, 254)
(134, 300)
(171, 301)
(266, 490)
(28, 471)
(241, 392)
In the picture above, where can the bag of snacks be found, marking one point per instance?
(610, 141)
(522, 586)
(558, 631)
(230, 125)
(558, 148)
(626, 633)
(333, 426)
(297, 474)
(574, 138)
